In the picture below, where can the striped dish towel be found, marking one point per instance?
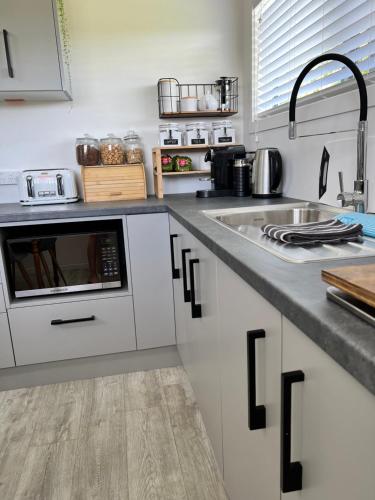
(313, 233)
(367, 221)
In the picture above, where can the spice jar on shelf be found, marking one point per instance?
(133, 148)
(112, 150)
(197, 134)
(170, 134)
(87, 151)
(223, 133)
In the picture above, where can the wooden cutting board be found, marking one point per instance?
(357, 281)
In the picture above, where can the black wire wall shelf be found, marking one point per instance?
(171, 93)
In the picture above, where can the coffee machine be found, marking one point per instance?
(222, 165)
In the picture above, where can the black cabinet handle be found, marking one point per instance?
(256, 414)
(7, 54)
(187, 295)
(175, 271)
(196, 309)
(74, 320)
(291, 472)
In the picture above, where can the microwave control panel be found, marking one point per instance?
(109, 258)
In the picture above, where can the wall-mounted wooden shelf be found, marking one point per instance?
(189, 172)
(202, 147)
(198, 114)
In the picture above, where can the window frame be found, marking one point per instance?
(343, 96)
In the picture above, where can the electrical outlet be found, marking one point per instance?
(9, 177)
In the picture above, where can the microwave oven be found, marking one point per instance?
(67, 261)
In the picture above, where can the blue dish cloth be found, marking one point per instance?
(367, 221)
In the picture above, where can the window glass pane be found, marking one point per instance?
(287, 34)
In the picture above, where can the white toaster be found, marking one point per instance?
(43, 187)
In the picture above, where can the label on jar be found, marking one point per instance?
(170, 142)
(198, 141)
(225, 139)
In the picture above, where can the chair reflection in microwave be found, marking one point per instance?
(21, 250)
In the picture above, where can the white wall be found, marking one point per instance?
(302, 157)
(119, 50)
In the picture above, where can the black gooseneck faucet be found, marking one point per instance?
(359, 197)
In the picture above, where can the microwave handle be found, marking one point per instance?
(60, 187)
(29, 184)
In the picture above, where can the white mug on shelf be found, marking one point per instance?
(188, 104)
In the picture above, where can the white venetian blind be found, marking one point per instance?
(287, 34)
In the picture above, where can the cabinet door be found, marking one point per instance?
(32, 46)
(251, 368)
(203, 340)
(6, 351)
(332, 425)
(180, 242)
(150, 261)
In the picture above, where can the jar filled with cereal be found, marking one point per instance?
(112, 150)
(133, 148)
(87, 151)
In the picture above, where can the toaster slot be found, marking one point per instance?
(60, 185)
(29, 183)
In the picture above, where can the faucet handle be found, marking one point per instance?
(341, 182)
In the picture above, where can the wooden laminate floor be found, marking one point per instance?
(137, 436)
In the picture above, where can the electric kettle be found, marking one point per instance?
(267, 173)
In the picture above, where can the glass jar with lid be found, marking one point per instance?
(87, 151)
(112, 150)
(133, 148)
(196, 134)
(170, 134)
(223, 133)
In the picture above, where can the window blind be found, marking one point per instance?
(287, 34)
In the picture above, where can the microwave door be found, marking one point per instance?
(64, 264)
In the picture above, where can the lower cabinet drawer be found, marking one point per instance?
(72, 330)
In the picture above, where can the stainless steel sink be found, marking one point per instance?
(248, 221)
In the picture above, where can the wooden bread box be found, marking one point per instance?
(114, 182)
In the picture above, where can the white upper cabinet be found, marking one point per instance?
(328, 425)
(32, 65)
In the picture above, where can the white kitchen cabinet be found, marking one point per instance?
(332, 424)
(197, 329)
(72, 330)
(32, 51)
(179, 242)
(203, 334)
(6, 351)
(151, 270)
(250, 343)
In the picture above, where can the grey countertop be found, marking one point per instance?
(296, 290)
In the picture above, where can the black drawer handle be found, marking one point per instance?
(291, 472)
(74, 320)
(196, 309)
(7, 54)
(256, 414)
(187, 295)
(175, 271)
